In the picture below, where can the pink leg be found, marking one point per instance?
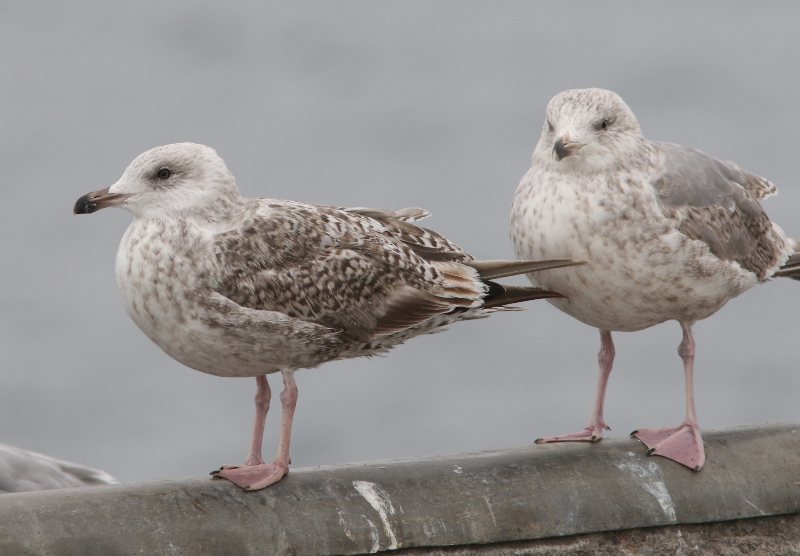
(263, 396)
(288, 403)
(682, 443)
(594, 430)
(255, 474)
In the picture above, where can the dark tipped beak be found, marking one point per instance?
(564, 148)
(96, 200)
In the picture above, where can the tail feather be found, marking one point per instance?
(790, 269)
(490, 270)
(499, 295)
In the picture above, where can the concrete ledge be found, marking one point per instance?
(760, 536)
(505, 496)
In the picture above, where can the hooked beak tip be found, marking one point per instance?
(96, 200)
(559, 152)
(562, 149)
(84, 205)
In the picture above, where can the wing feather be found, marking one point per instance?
(357, 271)
(718, 203)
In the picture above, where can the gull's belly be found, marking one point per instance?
(630, 295)
(156, 285)
(641, 272)
(164, 289)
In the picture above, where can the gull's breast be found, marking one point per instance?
(642, 271)
(159, 271)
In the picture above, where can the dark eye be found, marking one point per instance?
(604, 124)
(164, 174)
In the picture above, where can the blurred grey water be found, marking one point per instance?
(432, 104)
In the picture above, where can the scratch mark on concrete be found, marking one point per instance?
(379, 500)
(756, 507)
(344, 525)
(651, 480)
(373, 531)
(488, 505)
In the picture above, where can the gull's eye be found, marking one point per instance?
(164, 174)
(604, 124)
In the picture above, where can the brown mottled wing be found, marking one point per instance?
(337, 268)
(426, 243)
(717, 203)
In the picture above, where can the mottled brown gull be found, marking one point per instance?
(247, 287)
(670, 233)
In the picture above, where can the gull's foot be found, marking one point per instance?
(682, 444)
(252, 477)
(589, 434)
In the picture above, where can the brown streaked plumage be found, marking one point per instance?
(247, 287)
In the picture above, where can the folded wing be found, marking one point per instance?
(364, 272)
(718, 203)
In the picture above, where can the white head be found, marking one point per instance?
(588, 131)
(178, 179)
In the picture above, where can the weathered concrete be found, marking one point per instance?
(760, 536)
(492, 497)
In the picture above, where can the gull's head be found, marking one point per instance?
(587, 131)
(173, 180)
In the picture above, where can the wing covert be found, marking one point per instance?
(718, 203)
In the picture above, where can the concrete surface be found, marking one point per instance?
(760, 536)
(504, 496)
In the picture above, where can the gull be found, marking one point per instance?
(24, 471)
(233, 286)
(671, 233)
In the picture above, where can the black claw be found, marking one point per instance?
(651, 450)
(539, 441)
(593, 438)
(216, 471)
(634, 432)
(696, 468)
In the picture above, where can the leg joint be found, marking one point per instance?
(289, 395)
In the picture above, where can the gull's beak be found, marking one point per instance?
(97, 200)
(564, 148)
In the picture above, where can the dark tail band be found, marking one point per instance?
(791, 269)
(499, 295)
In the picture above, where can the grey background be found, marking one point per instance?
(432, 104)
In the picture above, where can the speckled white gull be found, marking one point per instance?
(247, 287)
(670, 233)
